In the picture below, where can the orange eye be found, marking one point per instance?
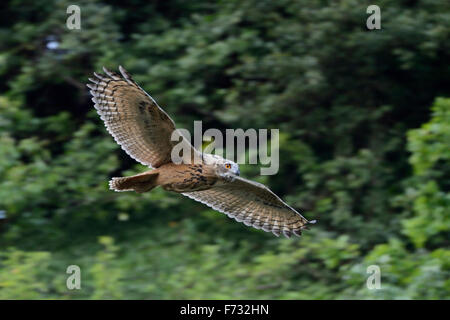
(228, 166)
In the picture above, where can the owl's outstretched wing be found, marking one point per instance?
(134, 119)
(253, 204)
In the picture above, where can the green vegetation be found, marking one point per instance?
(364, 119)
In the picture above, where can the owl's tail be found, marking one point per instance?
(140, 183)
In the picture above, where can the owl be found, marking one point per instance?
(144, 131)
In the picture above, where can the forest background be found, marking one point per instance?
(364, 119)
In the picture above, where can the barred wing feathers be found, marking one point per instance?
(133, 118)
(253, 204)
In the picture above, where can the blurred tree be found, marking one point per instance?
(348, 102)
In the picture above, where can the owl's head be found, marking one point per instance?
(222, 165)
(232, 167)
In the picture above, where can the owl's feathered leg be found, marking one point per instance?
(140, 183)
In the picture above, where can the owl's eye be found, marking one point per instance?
(228, 166)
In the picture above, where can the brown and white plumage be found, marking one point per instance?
(133, 118)
(253, 204)
(144, 131)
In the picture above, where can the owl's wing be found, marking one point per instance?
(253, 204)
(134, 119)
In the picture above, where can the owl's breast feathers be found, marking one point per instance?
(186, 177)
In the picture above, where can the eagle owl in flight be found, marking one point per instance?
(144, 131)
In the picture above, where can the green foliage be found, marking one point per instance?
(22, 274)
(405, 274)
(106, 282)
(430, 148)
(359, 148)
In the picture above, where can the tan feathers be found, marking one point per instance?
(133, 118)
(253, 204)
(144, 131)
